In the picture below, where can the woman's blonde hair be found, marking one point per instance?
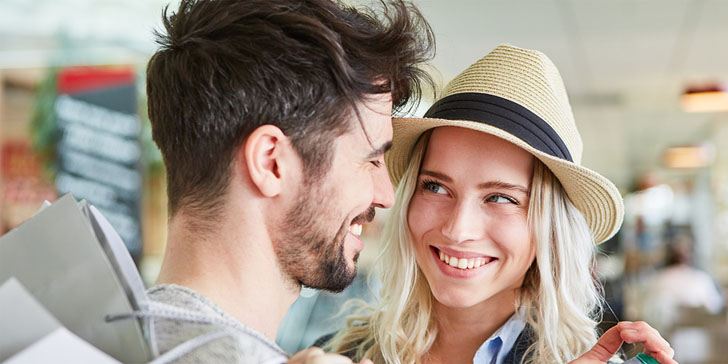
(559, 296)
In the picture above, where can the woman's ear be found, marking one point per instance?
(264, 152)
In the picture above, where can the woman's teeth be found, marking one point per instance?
(356, 229)
(464, 263)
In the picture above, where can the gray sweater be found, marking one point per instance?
(198, 316)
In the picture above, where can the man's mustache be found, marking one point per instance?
(365, 217)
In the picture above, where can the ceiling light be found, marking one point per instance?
(705, 98)
(689, 156)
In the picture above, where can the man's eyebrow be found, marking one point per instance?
(381, 150)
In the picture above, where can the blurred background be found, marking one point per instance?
(647, 80)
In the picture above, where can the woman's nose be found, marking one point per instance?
(464, 222)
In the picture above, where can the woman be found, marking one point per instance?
(489, 254)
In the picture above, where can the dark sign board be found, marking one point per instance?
(99, 150)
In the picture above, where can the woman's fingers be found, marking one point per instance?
(631, 332)
(606, 346)
(652, 342)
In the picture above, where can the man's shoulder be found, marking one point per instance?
(185, 316)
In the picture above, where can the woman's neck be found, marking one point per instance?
(461, 331)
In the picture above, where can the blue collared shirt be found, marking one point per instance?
(498, 345)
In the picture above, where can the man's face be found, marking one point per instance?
(323, 227)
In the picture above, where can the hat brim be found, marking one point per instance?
(595, 196)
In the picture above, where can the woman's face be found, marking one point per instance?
(468, 217)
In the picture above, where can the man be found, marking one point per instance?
(272, 117)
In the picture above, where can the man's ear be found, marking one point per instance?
(264, 152)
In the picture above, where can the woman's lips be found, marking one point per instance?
(460, 264)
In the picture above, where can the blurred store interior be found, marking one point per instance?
(648, 81)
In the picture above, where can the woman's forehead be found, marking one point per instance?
(476, 154)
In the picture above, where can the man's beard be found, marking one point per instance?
(304, 248)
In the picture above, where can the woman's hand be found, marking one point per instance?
(318, 356)
(631, 332)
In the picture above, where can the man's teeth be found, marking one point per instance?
(464, 263)
(356, 229)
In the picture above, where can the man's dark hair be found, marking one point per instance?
(227, 67)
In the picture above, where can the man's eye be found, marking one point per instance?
(376, 163)
(434, 187)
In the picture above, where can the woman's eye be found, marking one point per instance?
(434, 187)
(500, 199)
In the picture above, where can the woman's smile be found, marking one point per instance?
(459, 264)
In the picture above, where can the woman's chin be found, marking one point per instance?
(457, 299)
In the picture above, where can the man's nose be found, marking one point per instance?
(383, 190)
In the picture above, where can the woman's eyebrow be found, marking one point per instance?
(438, 175)
(503, 185)
(482, 186)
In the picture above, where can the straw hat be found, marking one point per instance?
(518, 95)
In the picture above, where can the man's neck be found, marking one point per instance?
(234, 266)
